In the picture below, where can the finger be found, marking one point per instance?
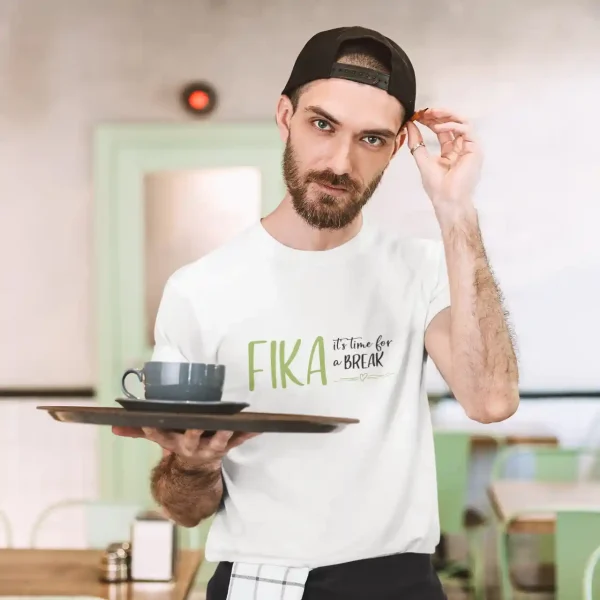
(240, 438)
(191, 436)
(441, 115)
(219, 441)
(162, 438)
(413, 134)
(454, 128)
(458, 145)
(447, 143)
(190, 441)
(414, 139)
(469, 147)
(132, 432)
(445, 137)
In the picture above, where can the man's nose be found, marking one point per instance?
(341, 159)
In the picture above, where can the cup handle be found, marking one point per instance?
(139, 373)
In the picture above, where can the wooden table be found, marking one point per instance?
(509, 497)
(76, 573)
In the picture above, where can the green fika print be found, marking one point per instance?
(284, 367)
(356, 356)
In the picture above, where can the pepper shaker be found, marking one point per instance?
(115, 563)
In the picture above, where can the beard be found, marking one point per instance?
(324, 211)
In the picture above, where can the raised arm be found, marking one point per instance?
(470, 342)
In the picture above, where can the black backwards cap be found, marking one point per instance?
(317, 60)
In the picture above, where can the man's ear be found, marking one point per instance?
(283, 116)
(399, 141)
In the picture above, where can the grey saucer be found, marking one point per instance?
(171, 406)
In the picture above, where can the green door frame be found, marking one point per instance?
(123, 154)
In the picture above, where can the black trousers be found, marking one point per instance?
(396, 577)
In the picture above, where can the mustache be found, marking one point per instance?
(330, 178)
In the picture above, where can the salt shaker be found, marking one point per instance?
(115, 563)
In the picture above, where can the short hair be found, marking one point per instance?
(360, 53)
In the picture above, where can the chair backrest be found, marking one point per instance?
(591, 441)
(6, 533)
(100, 523)
(452, 456)
(591, 576)
(592, 437)
(544, 463)
(557, 464)
(577, 536)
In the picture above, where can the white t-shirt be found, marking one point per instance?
(337, 332)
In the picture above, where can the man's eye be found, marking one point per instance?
(373, 140)
(322, 125)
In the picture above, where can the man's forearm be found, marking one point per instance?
(484, 365)
(188, 494)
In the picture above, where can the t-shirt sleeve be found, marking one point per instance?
(440, 294)
(176, 330)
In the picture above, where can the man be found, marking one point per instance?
(313, 310)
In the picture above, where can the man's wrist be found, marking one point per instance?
(453, 214)
(457, 220)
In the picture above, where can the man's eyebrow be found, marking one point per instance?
(322, 113)
(386, 133)
(383, 132)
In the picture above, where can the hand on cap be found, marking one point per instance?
(451, 177)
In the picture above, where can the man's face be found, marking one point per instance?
(341, 139)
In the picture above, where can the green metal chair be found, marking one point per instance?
(542, 463)
(539, 463)
(549, 464)
(6, 536)
(591, 576)
(452, 455)
(104, 522)
(577, 535)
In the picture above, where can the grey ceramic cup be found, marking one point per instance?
(175, 381)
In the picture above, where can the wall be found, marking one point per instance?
(43, 463)
(526, 72)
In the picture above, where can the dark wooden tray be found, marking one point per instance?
(244, 421)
